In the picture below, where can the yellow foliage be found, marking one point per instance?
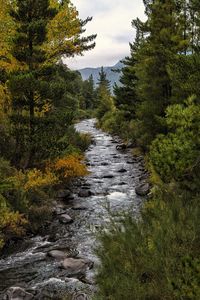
(37, 179)
(7, 32)
(63, 32)
(11, 224)
(71, 166)
(34, 178)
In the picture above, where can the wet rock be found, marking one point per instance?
(143, 189)
(122, 170)
(80, 296)
(121, 147)
(63, 194)
(84, 193)
(65, 219)
(17, 293)
(131, 162)
(108, 176)
(114, 141)
(76, 266)
(79, 207)
(59, 210)
(57, 254)
(104, 164)
(55, 288)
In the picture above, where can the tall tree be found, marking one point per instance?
(89, 94)
(103, 82)
(104, 99)
(45, 31)
(163, 40)
(125, 93)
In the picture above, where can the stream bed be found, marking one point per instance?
(36, 268)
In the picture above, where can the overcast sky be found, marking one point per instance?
(112, 24)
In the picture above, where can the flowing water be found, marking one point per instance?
(110, 183)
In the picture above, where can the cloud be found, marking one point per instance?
(112, 23)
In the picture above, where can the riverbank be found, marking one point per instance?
(39, 266)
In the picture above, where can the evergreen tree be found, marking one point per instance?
(104, 99)
(159, 49)
(88, 93)
(27, 86)
(38, 44)
(125, 93)
(103, 82)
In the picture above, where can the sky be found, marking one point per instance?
(112, 24)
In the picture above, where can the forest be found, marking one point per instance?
(155, 109)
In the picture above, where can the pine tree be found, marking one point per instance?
(104, 99)
(31, 18)
(39, 44)
(125, 93)
(88, 93)
(103, 82)
(164, 40)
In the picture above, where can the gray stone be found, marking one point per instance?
(108, 176)
(80, 296)
(79, 207)
(121, 147)
(143, 189)
(104, 164)
(17, 293)
(63, 194)
(122, 170)
(76, 266)
(57, 254)
(65, 219)
(85, 193)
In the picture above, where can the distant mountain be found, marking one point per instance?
(111, 76)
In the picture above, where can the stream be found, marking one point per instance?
(37, 264)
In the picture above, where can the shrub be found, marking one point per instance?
(154, 258)
(176, 155)
(70, 167)
(12, 224)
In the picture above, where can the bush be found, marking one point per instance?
(155, 258)
(69, 167)
(176, 155)
(12, 224)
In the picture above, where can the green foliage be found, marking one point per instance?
(88, 94)
(39, 101)
(155, 257)
(176, 155)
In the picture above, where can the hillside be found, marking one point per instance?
(112, 76)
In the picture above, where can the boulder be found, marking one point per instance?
(143, 189)
(121, 147)
(57, 254)
(104, 164)
(64, 194)
(65, 219)
(79, 207)
(108, 176)
(17, 293)
(76, 266)
(122, 170)
(80, 296)
(84, 193)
